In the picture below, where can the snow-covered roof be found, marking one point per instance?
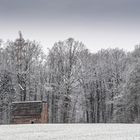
(17, 102)
(27, 108)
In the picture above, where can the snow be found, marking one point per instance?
(17, 102)
(21, 86)
(70, 132)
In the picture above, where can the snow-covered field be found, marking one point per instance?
(70, 132)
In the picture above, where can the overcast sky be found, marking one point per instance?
(97, 23)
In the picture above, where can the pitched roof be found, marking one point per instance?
(27, 108)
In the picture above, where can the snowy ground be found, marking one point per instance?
(70, 132)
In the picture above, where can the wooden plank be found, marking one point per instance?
(27, 112)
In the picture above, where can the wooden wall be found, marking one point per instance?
(29, 112)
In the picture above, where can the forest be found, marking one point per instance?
(79, 86)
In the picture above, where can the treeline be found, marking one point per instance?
(79, 86)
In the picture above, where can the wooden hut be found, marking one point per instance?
(27, 112)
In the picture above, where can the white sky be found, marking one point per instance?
(97, 23)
